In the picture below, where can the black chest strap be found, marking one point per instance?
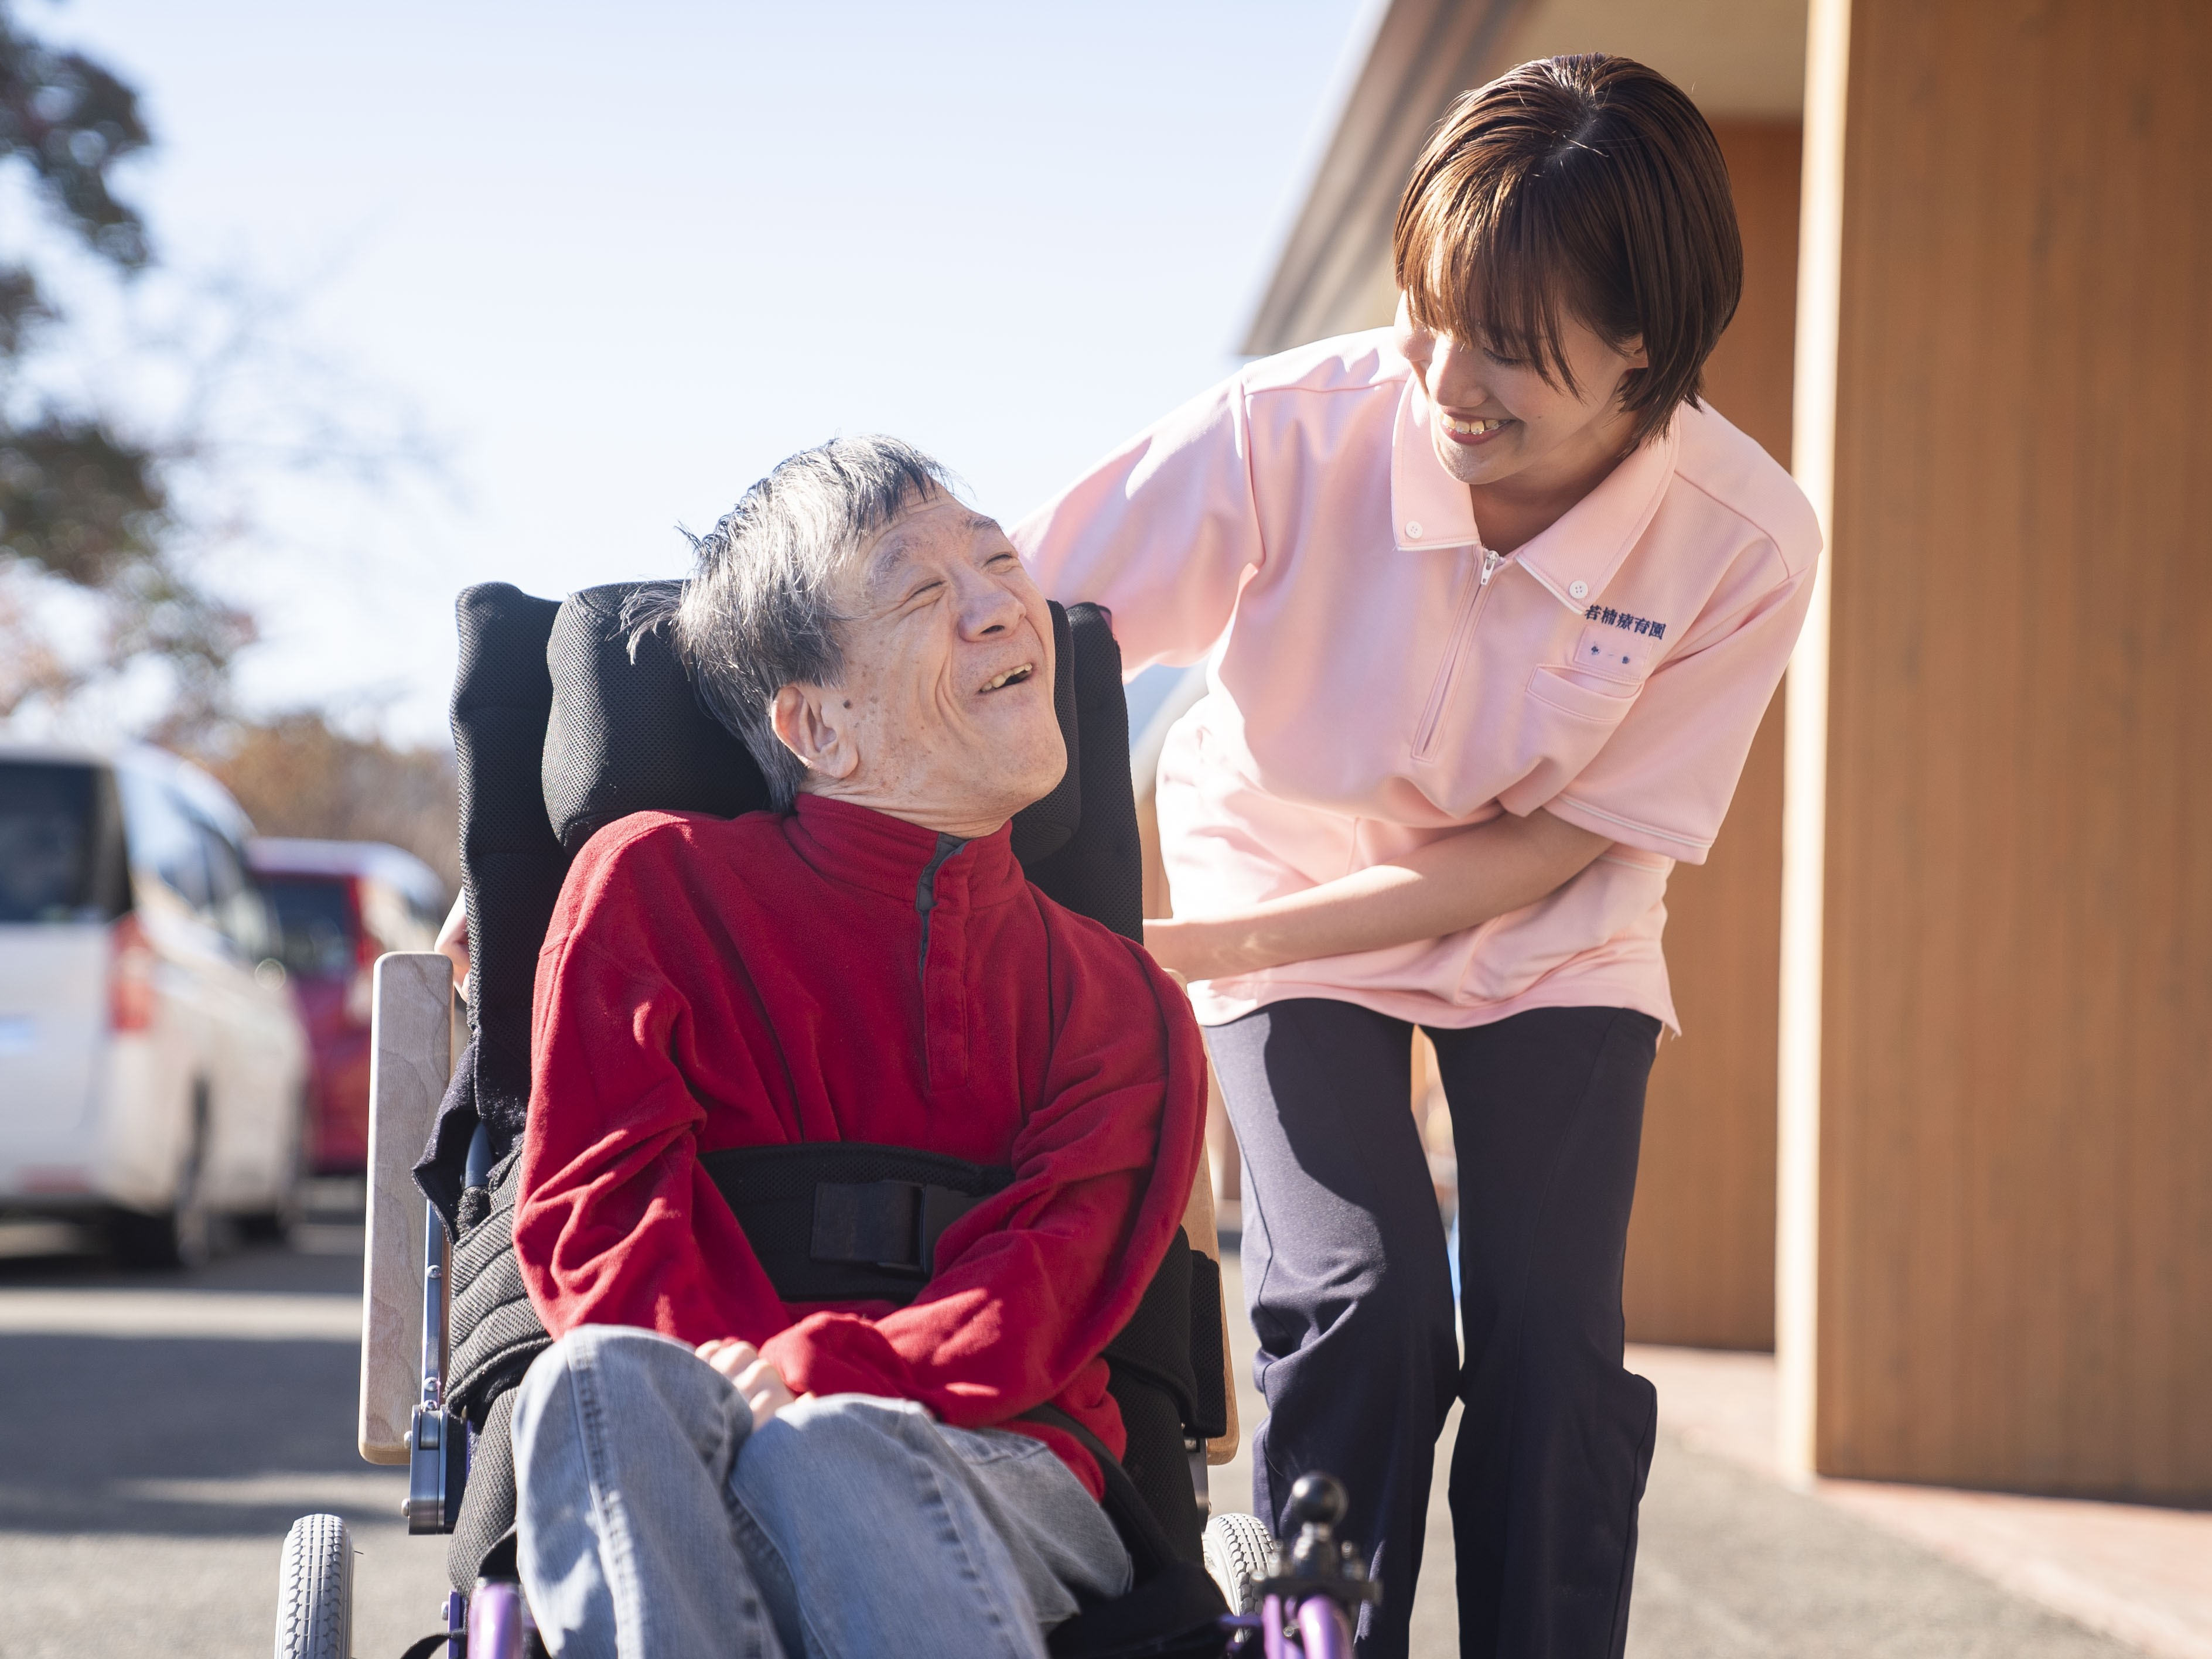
(846, 1221)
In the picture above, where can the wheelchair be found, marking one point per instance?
(563, 723)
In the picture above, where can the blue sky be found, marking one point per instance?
(620, 260)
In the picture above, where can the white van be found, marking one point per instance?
(153, 1070)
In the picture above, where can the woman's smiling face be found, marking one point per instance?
(1498, 418)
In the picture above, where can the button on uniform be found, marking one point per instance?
(1579, 590)
(1413, 529)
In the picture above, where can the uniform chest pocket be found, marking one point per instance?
(1585, 699)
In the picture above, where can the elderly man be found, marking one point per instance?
(703, 1468)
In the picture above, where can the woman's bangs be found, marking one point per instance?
(1485, 273)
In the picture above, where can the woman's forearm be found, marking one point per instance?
(1454, 882)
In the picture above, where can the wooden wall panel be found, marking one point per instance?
(2015, 1283)
(1700, 1267)
(1748, 376)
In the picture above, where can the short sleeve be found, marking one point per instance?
(1161, 533)
(1664, 778)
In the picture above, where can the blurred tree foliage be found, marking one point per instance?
(296, 775)
(92, 510)
(79, 500)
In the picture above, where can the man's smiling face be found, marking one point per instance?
(942, 714)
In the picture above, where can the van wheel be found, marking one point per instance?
(183, 1236)
(315, 1591)
(277, 1224)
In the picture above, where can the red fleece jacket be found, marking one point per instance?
(712, 983)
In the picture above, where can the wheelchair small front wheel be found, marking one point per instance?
(1240, 1552)
(315, 1591)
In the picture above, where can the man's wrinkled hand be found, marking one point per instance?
(760, 1382)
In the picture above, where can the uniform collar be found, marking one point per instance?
(1576, 557)
(874, 850)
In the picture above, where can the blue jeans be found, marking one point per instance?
(654, 1519)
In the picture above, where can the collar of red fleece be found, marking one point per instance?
(888, 855)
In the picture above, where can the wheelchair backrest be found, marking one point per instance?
(563, 723)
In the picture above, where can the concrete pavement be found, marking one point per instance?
(1733, 1565)
(159, 1434)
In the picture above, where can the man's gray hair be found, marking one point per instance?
(757, 612)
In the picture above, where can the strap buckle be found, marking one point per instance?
(892, 1225)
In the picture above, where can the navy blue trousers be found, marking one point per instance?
(1349, 1287)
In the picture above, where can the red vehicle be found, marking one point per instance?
(340, 905)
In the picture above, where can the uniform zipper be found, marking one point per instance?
(1425, 735)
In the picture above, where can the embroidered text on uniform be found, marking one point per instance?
(1657, 630)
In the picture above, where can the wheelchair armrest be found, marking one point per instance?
(1198, 1226)
(411, 1057)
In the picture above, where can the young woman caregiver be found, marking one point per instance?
(1491, 605)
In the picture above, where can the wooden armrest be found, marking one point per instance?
(409, 1059)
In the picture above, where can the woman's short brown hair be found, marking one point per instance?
(1590, 182)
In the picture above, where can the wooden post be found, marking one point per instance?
(1996, 1070)
(1805, 743)
(1701, 1269)
(409, 1064)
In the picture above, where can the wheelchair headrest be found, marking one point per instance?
(628, 732)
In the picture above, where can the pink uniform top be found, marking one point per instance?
(1376, 678)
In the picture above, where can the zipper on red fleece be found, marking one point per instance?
(940, 1061)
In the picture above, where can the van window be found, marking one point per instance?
(165, 842)
(315, 913)
(234, 903)
(58, 846)
(391, 922)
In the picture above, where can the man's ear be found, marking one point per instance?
(810, 722)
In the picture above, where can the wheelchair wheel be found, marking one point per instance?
(1240, 1552)
(315, 1591)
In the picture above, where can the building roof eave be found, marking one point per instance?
(1424, 52)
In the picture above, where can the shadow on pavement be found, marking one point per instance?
(120, 1434)
(176, 1434)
